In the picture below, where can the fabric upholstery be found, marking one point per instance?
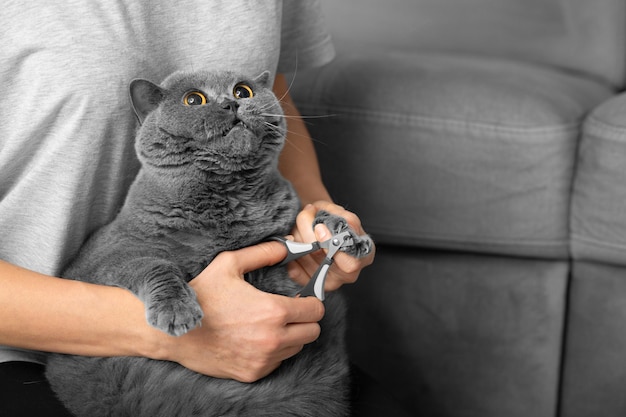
(450, 151)
(599, 196)
(576, 35)
(482, 144)
(481, 335)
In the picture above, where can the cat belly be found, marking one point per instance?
(313, 383)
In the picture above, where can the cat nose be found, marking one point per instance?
(230, 105)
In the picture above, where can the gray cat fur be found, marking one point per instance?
(208, 183)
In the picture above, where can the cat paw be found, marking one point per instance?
(362, 244)
(174, 310)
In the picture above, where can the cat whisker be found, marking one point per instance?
(293, 79)
(272, 126)
(321, 116)
(292, 133)
(268, 106)
(306, 136)
(286, 133)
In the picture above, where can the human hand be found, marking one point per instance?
(245, 333)
(345, 269)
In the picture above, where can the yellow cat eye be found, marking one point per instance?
(194, 98)
(243, 90)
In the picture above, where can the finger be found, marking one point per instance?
(302, 333)
(349, 264)
(301, 309)
(353, 220)
(321, 232)
(287, 353)
(304, 222)
(257, 256)
(297, 273)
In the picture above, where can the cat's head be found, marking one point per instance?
(212, 121)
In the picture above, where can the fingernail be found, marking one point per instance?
(321, 232)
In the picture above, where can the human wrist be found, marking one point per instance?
(129, 332)
(156, 345)
(147, 341)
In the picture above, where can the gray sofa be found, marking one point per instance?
(483, 144)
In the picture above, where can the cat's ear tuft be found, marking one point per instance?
(145, 97)
(263, 79)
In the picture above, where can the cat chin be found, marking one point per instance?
(240, 141)
(238, 150)
(220, 165)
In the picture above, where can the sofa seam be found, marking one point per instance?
(577, 237)
(456, 239)
(595, 125)
(438, 122)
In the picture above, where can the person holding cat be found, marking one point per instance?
(66, 162)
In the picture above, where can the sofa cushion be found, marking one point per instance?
(599, 197)
(450, 151)
(578, 35)
(461, 335)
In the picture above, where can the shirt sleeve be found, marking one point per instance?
(305, 38)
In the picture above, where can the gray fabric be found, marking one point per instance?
(477, 154)
(598, 218)
(577, 35)
(66, 157)
(448, 151)
(438, 325)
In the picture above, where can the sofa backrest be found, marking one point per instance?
(586, 36)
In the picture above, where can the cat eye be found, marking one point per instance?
(242, 90)
(194, 98)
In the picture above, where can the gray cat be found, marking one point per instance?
(209, 146)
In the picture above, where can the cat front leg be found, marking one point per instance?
(171, 305)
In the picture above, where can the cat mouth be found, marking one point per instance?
(233, 138)
(237, 125)
(230, 128)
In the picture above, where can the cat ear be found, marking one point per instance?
(263, 79)
(145, 97)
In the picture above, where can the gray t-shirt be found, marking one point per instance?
(66, 126)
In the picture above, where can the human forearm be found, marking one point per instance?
(298, 161)
(245, 334)
(57, 315)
